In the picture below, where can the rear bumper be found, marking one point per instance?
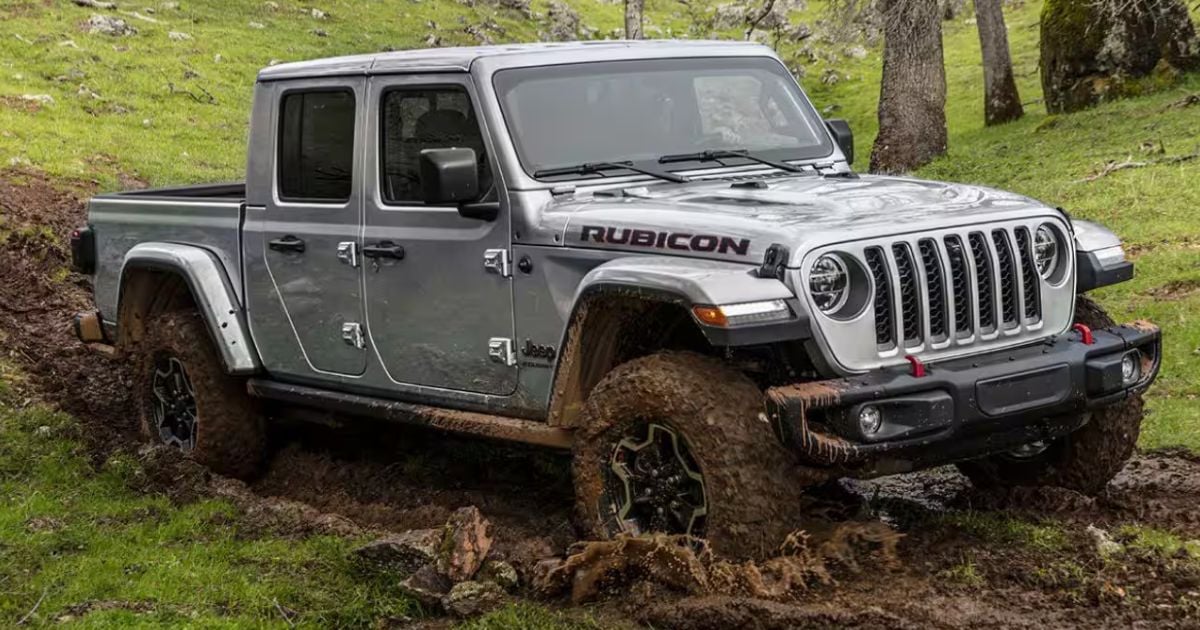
(964, 408)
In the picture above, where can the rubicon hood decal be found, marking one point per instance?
(682, 241)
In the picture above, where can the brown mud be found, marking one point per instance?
(924, 550)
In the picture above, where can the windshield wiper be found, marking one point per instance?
(599, 168)
(716, 155)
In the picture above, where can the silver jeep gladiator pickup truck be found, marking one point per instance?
(654, 254)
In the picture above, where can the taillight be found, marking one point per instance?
(83, 250)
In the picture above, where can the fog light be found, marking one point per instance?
(870, 420)
(1131, 367)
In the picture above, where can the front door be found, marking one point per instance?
(437, 316)
(312, 225)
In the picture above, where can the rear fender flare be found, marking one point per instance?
(212, 292)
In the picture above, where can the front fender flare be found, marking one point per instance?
(211, 290)
(691, 282)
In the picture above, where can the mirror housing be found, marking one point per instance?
(840, 130)
(449, 176)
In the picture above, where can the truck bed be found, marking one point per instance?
(228, 191)
(208, 216)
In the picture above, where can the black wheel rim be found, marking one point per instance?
(173, 403)
(652, 484)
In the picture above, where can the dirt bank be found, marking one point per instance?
(941, 553)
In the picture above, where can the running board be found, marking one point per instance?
(451, 420)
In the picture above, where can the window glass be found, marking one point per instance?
(419, 119)
(639, 111)
(316, 146)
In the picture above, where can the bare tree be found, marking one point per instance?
(633, 18)
(912, 97)
(1096, 50)
(1001, 102)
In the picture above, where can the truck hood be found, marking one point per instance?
(738, 221)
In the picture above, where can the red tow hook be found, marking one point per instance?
(1085, 334)
(918, 368)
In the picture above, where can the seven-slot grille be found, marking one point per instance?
(930, 290)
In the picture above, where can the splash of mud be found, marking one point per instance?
(686, 565)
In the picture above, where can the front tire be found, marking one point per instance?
(1084, 461)
(675, 443)
(188, 403)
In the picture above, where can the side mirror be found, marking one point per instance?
(840, 130)
(449, 176)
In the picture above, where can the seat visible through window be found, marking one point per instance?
(420, 119)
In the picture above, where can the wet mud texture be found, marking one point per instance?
(358, 479)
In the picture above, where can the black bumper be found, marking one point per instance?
(964, 408)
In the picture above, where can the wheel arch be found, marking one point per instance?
(159, 277)
(632, 307)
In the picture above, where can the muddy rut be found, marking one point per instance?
(924, 550)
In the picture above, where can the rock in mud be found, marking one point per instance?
(465, 543)
(405, 552)
(104, 25)
(470, 598)
(1105, 545)
(500, 573)
(427, 586)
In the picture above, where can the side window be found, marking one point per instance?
(316, 146)
(419, 119)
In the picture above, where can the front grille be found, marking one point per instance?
(966, 282)
(884, 330)
(910, 294)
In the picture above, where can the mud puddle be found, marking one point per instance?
(939, 553)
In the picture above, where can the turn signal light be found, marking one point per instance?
(732, 315)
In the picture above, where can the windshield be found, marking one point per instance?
(639, 111)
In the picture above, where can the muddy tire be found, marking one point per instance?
(1085, 460)
(187, 401)
(700, 421)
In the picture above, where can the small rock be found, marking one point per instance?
(40, 99)
(176, 36)
(217, 58)
(96, 4)
(257, 25)
(318, 14)
(146, 122)
(20, 160)
(104, 25)
(43, 431)
(500, 573)
(274, 62)
(1105, 545)
(320, 32)
(470, 599)
(856, 52)
(407, 552)
(70, 43)
(169, 6)
(465, 543)
(427, 586)
(271, 6)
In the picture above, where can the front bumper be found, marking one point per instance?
(963, 408)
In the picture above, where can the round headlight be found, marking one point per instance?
(1045, 251)
(829, 283)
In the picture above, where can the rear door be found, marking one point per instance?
(440, 316)
(310, 235)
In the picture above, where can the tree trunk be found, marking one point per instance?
(1097, 50)
(633, 18)
(912, 97)
(1001, 102)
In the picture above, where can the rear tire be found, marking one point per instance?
(187, 401)
(1085, 460)
(675, 443)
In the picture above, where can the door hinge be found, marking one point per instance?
(500, 350)
(347, 252)
(352, 334)
(497, 261)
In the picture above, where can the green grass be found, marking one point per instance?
(997, 528)
(95, 552)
